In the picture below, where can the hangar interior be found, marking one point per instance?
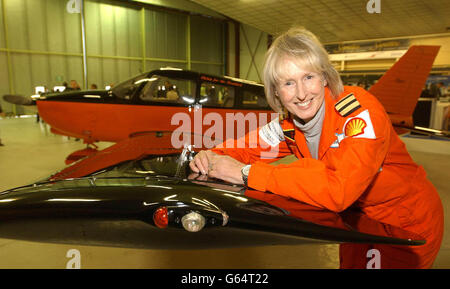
(42, 44)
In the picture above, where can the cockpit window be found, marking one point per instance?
(254, 98)
(126, 89)
(165, 165)
(216, 95)
(168, 90)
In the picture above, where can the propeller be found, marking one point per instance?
(18, 99)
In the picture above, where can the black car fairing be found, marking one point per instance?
(116, 207)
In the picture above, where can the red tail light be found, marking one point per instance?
(161, 217)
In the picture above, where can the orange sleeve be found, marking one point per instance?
(250, 149)
(334, 183)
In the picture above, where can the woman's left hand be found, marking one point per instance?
(225, 168)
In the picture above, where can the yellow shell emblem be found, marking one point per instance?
(355, 127)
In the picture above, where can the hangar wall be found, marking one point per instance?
(440, 65)
(41, 43)
(248, 45)
(368, 71)
(443, 58)
(252, 51)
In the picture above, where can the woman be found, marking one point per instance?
(348, 153)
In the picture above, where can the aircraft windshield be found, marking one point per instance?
(151, 165)
(127, 88)
(173, 165)
(168, 90)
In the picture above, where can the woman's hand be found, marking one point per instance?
(217, 166)
(200, 163)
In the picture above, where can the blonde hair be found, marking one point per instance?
(307, 52)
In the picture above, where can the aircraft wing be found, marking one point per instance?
(146, 143)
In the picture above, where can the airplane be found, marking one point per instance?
(148, 102)
(160, 100)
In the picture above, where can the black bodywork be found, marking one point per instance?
(115, 207)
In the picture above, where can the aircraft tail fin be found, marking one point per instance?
(400, 87)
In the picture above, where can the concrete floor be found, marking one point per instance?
(32, 153)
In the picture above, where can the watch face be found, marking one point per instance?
(246, 170)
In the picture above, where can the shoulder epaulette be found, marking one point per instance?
(347, 105)
(288, 129)
(289, 134)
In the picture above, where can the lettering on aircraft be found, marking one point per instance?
(220, 81)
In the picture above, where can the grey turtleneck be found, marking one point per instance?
(312, 131)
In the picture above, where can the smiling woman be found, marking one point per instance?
(349, 156)
(300, 92)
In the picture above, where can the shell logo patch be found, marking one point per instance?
(355, 127)
(359, 126)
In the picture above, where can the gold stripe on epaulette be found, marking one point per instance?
(344, 101)
(350, 109)
(347, 105)
(289, 134)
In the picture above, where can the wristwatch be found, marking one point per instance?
(245, 171)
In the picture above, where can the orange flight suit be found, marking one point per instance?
(361, 162)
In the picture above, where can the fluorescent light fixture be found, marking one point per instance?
(170, 68)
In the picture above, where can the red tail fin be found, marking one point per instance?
(400, 87)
